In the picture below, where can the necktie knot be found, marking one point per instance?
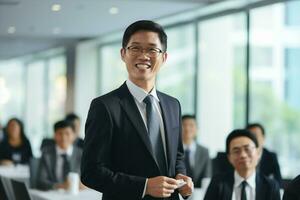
(244, 184)
(148, 100)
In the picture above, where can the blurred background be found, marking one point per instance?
(230, 63)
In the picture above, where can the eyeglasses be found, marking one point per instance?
(237, 151)
(138, 50)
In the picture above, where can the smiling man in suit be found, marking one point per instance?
(132, 146)
(245, 183)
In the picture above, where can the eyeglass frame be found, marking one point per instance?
(147, 51)
(237, 151)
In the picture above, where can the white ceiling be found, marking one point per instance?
(35, 23)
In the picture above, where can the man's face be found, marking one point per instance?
(259, 135)
(64, 137)
(142, 67)
(189, 129)
(243, 154)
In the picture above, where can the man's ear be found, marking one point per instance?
(165, 56)
(123, 52)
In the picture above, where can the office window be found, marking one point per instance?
(57, 90)
(36, 101)
(221, 79)
(12, 90)
(261, 57)
(274, 91)
(177, 76)
(292, 14)
(112, 69)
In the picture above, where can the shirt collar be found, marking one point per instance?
(250, 181)
(191, 147)
(139, 93)
(60, 151)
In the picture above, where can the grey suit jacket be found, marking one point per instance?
(202, 166)
(46, 175)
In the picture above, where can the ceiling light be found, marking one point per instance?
(114, 10)
(56, 7)
(11, 30)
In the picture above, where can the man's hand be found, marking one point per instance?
(188, 188)
(65, 185)
(161, 186)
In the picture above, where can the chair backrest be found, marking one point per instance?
(33, 169)
(221, 164)
(3, 191)
(20, 190)
(7, 186)
(47, 142)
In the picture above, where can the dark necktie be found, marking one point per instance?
(66, 166)
(243, 191)
(188, 167)
(154, 133)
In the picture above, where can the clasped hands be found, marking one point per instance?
(163, 187)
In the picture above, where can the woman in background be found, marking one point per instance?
(15, 148)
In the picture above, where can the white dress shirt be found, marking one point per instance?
(139, 95)
(250, 187)
(59, 161)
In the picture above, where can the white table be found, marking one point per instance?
(64, 195)
(18, 172)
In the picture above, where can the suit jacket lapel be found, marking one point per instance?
(198, 165)
(260, 188)
(130, 108)
(52, 162)
(166, 115)
(228, 187)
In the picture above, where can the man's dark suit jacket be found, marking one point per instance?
(221, 188)
(46, 175)
(202, 166)
(269, 166)
(293, 190)
(117, 156)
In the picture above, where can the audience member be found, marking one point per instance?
(268, 164)
(75, 120)
(59, 159)
(15, 148)
(197, 161)
(292, 192)
(245, 183)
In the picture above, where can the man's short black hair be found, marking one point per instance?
(184, 117)
(62, 124)
(256, 125)
(240, 133)
(145, 25)
(71, 117)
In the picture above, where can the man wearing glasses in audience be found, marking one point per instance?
(245, 183)
(132, 147)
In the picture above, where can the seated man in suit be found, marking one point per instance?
(292, 192)
(268, 164)
(245, 183)
(59, 159)
(197, 161)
